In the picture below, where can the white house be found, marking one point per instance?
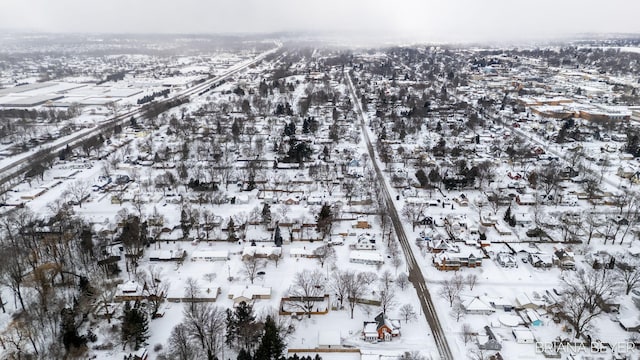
(210, 255)
(240, 293)
(167, 255)
(476, 305)
(366, 257)
(506, 260)
(301, 252)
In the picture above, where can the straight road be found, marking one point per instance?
(22, 161)
(415, 274)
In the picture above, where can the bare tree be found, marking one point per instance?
(631, 215)
(386, 279)
(387, 292)
(324, 253)
(79, 191)
(467, 333)
(356, 287)
(478, 354)
(206, 324)
(471, 280)
(549, 179)
(155, 287)
(338, 286)
(396, 261)
(457, 310)
(181, 346)
(251, 267)
(241, 220)
(407, 312)
(413, 212)
(306, 288)
(13, 271)
(402, 280)
(590, 225)
(450, 289)
(586, 293)
(192, 291)
(627, 274)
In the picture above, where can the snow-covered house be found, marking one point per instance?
(476, 305)
(523, 335)
(210, 255)
(370, 331)
(240, 293)
(454, 261)
(381, 329)
(167, 255)
(129, 291)
(506, 260)
(629, 317)
(540, 260)
(209, 293)
(366, 257)
(301, 253)
(261, 252)
(525, 199)
(439, 246)
(361, 224)
(498, 303)
(564, 259)
(525, 301)
(488, 341)
(522, 218)
(487, 219)
(503, 230)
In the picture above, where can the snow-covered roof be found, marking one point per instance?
(249, 292)
(261, 251)
(209, 254)
(365, 256)
(475, 303)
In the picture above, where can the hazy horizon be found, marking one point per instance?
(434, 20)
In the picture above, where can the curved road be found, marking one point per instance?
(415, 274)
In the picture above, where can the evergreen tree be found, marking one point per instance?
(135, 326)
(305, 126)
(422, 177)
(325, 220)
(235, 130)
(251, 184)
(334, 132)
(277, 237)
(243, 332)
(231, 231)
(507, 214)
(266, 214)
(271, 345)
(325, 153)
(186, 222)
(244, 355)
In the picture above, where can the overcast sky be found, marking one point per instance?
(430, 20)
